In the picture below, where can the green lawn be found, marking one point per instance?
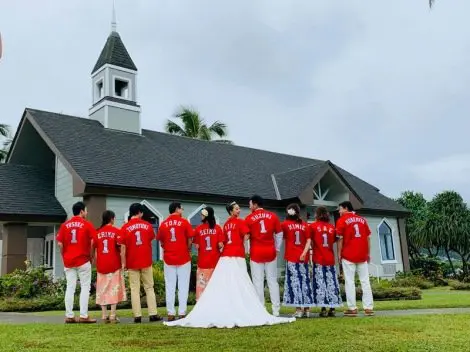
(434, 298)
(379, 334)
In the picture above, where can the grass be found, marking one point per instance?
(379, 334)
(442, 297)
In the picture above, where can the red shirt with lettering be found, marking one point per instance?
(208, 241)
(355, 233)
(235, 230)
(263, 226)
(137, 235)
(76, 235)
(324, 237)
(296, 235)
(173, 235)
(108, 256)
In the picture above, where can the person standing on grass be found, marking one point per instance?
(74, 241)
(265, 243)
(354, 254)
(326, 292)
(297, 284)
(208, 238)
(175, 235)
(136, 255)
(110, 286)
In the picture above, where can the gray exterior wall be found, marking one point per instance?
(123, 120)
(99, 116)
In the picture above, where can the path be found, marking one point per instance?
(31, 318)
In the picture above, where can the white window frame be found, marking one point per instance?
(198, 212)
(394, 261)
(129, 85)
(96, 96)
(156, 213)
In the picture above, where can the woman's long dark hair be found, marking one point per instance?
(107, 216)
(296, 216)
(321, 214)
(210, 218)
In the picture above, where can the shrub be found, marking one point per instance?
(383, 291)
(431, 269)
(411, 280)
(457, 285)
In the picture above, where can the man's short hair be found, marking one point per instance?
(136, 209)
(77, 208)
(174, 206)
(258, 200)
(346, 205)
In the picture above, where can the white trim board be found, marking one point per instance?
(117, 68)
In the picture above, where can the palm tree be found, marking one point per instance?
(431, 2)
(4, 133)
(194, 126)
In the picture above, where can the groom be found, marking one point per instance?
(265, 243)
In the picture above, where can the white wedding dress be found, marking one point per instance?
(229, 300)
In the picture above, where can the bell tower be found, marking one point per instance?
(114, 80)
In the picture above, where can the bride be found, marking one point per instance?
(229, 299)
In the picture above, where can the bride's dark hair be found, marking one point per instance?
(230, 207)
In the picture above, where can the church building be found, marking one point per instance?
(109, 161)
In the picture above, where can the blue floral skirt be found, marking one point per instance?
(326, 291)
(298, 286)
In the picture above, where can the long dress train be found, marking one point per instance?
(229, 300)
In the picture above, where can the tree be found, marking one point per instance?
(417, 204)
(195, 127)
(431, 2)
(4, 134)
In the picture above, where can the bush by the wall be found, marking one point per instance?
(411, 280)
(458, 285)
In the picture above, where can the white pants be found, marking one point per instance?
(84, 274)
(177, 274)
(257, 276)
(349, 270)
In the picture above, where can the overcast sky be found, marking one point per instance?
(381, 88)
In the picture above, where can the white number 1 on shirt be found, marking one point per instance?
(356, 229)
(325, 240)
(138, 239)
(208, 243)
(297, 238)
(229, 236)
(173, 234)
(74, 236)
(105, 247)
(263, 227)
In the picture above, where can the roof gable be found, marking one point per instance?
(114, 53)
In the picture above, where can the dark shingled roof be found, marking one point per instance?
(114, 53)
(160, 161)
(26, 190)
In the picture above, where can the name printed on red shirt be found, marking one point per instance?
(263, 225)
(355, 233)
(296, 234)
(208, 241)
(137, 235)
(324, 237)
(235, 230)
(76, 235)
(173, 235)
(108, 255)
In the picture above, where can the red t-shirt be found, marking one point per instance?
(263, 226)
(355, 233)
(296, 235)
(208, 241)
(235, 230)
(137, 235)
(173, 235)
(76, 235)
(324, 236)
(108, 256)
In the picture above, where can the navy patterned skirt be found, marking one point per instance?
(298, 286)
(326, 287)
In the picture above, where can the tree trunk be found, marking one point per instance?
(450, 262)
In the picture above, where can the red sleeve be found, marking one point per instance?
(189, 230)
(121, 238)
(60, 234)
(244, 229)
(220, 234)
(151, 233)
(284, 230)
(309, 233)
(91, 231)
(340, 228)
(367, 228)
(277, 224)
(161, 234)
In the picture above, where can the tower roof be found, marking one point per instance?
(114, 53)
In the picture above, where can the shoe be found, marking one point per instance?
(71, 320)
(155, 318)
(350, 313)
(105, 320)
(332, 313)
(86, 320)
(306, 314)
(181, 316)
(138, 320)
(170, 318)
(323, 313)
(114, 320)
(298, 314)
(368, 312)
(276, 313)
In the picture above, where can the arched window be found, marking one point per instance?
(387, 249)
